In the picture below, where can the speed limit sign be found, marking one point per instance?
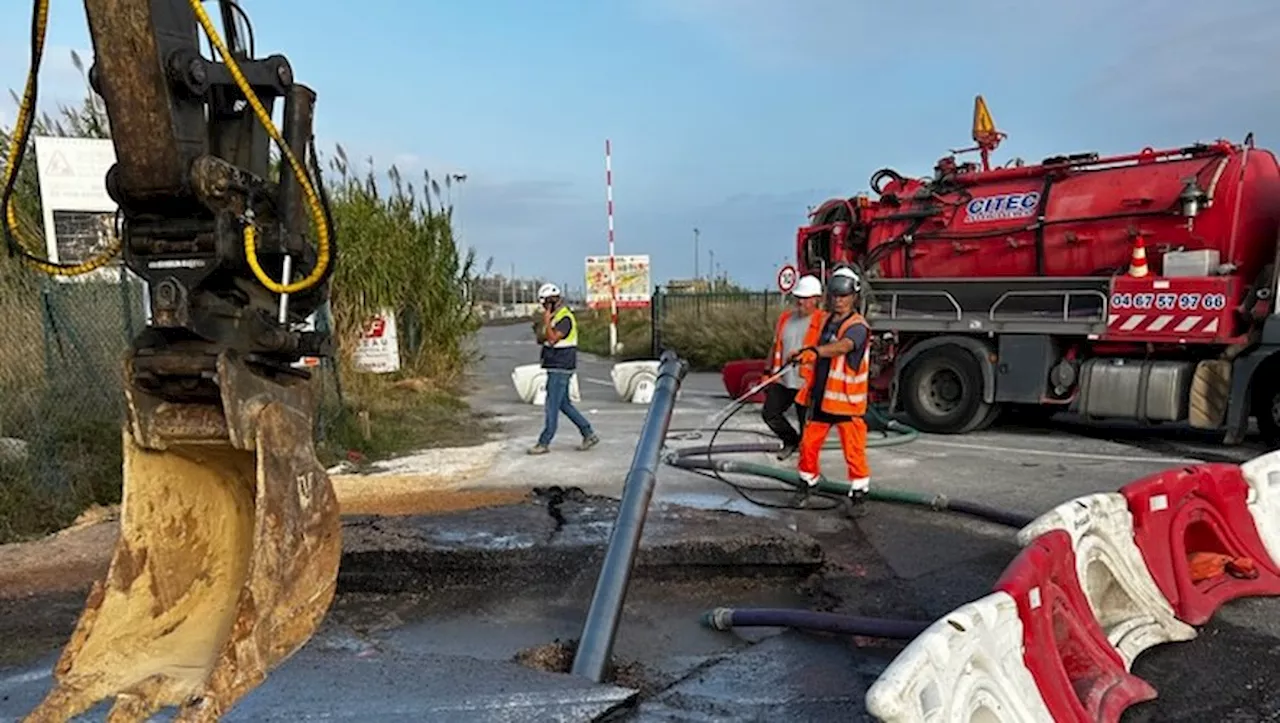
(786, 278)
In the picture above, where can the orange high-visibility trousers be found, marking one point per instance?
(853, 440)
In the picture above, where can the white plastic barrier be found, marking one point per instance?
(1263, 475)
(634, 381)
(964, 668)
(1124, 597)
(530, 381)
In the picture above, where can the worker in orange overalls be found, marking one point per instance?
(836, 391)
(796, 330)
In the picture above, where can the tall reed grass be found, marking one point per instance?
(397, 251)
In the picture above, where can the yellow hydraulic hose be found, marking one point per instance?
(313, 201)
(17, 143)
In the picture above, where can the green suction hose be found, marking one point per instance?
(695, 458)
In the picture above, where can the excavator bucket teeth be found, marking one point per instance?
(226, 564)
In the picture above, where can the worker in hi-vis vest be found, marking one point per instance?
(559, 337)
(836, 392)
(796, 330)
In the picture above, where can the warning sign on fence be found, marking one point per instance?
(378, 350)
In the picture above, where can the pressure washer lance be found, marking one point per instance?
(730, 408)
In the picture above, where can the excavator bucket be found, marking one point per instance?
(227, 559)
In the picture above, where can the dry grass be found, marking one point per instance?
(707, 334)
(384, 418)
(634, 332)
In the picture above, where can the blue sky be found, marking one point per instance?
(728, 115)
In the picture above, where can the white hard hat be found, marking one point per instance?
(807, 287)
(546, 291)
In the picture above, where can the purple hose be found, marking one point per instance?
(729, 618)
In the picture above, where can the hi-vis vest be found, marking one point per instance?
(846, 390)
(816, 320)
(572, 338)
(562, 354)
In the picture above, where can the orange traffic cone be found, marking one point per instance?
(1138, 260)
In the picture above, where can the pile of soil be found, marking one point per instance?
(557, 657)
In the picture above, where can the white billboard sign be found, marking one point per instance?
(631, 274)
(79, 216)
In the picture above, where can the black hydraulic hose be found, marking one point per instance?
(729, 618)
(703, 458)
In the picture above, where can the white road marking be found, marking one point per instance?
(1055, 453)
(22, 678)
(690, 392)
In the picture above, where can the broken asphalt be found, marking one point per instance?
(468, 616)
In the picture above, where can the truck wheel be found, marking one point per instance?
(943, 391)
(1266, 405)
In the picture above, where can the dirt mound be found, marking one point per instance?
(557, 657)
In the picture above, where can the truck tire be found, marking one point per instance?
(1266, 403)
(942, 392)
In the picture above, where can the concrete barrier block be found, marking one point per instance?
(530, 381)
(634, 381)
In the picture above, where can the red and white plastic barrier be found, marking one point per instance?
(966, 666)
(1190, 520)
(1122, 595)
(1262, 474)
(1079, 674)
(1100, 579)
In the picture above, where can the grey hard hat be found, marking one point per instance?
(844, 281)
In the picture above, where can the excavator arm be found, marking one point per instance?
(230, 540)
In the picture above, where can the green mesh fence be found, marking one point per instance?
(62, 346)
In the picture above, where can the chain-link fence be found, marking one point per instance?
(62, 346)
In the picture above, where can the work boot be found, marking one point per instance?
(539, 449)
(589, 442)
(785, 453)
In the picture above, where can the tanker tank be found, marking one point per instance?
(1070, 216)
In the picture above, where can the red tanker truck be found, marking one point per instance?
(1138, 287)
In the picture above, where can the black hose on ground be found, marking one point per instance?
(729, 618)
(991, 514)
(703, 458)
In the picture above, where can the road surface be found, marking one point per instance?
(444, 651)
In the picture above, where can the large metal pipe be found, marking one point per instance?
(601, 627)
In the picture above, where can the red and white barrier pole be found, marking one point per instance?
(613, 275)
